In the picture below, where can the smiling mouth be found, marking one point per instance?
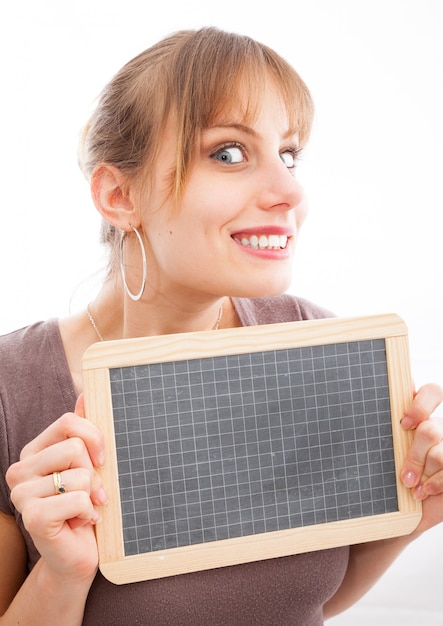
(263, 242)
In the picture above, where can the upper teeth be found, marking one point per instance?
(273, 242)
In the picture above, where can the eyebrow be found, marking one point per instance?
(246, 129)
(237, 126)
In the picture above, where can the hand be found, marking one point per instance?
(62, 526)
(422, 470)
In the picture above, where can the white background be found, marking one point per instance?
(373, 172)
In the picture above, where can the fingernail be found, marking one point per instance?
(431, 490)
(418, 493)
(407, 422)
(409, 479)
(102, 496)
(101, 459)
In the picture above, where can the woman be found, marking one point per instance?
(191, 157)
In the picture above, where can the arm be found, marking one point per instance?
(62, 526)
(40, 598)
(422, 472)
(13, 560)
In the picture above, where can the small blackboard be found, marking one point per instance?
(250, 443)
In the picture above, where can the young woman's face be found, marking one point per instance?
(235, 230)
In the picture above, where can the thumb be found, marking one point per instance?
(80, 406)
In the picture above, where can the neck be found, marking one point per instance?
(116, 320)
(124, 319)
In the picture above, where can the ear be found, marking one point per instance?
(112, 197)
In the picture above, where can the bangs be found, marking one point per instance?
(223, 74)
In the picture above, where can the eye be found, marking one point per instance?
(230, 153)
(289, 157)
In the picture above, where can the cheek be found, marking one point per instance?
(301, 212)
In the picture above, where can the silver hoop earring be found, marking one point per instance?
(137, 296)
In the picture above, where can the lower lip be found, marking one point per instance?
(266, 253)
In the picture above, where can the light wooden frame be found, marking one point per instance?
(101, 357)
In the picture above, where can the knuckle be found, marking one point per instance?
(435, 456)
(68, 421)
(436, 390)
(13, 475)
(70, 424)
(434, 484)
(25, 451)
(81, 499)
(426, 401)
(414, 460)
(32, 516)
(15, 497)
(76, 427)
(76, 447)
(82, 479)
(431, 397)
(429, 432)
(19, 494)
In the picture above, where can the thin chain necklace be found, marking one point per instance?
(100, 336)
(219, 318)
(93, 324)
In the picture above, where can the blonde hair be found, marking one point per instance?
(192, 77)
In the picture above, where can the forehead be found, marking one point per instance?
(244, 106)
(270, 117)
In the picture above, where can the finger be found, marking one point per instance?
(69, 426)
(77, 479)
(421, 459)
(432, 486)
(60, 456)
(431, 483)
(425, 401)
(33, 475)
(45, 517)
(73, 480)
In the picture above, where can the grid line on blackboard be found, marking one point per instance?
(230, 446)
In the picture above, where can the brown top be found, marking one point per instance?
(36, 388)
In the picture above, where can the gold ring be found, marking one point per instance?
(59, 486)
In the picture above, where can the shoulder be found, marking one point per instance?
(35, 383)
(277, 309)
(32, 356)
(30, 350)
(25, 340)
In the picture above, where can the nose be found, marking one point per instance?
(278, 188)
